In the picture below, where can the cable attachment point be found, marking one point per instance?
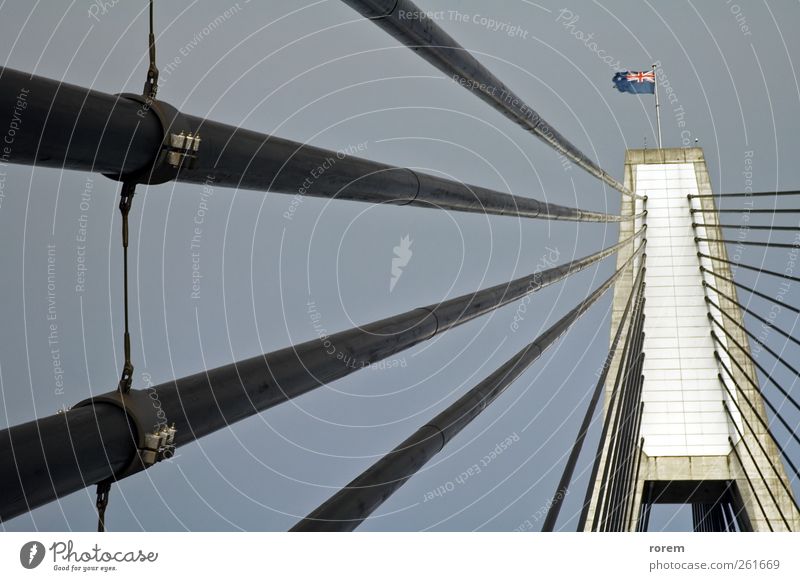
(158, 445)
(125, 202)
(182, 147)
(151, 83)
(103, 490)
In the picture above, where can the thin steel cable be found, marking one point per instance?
(750, 482)
(755, 463)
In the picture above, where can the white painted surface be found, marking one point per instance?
(683, 413)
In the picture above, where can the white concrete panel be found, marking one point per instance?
(683, 413)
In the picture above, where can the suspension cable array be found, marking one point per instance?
(619, 397)
(429, 41)
(207, 401)
(350, 506)
(137, 139)
(569, 468)
(747, 194)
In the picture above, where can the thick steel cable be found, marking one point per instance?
(349, 507)
(125, 137)
(428, 40)
(213, 399)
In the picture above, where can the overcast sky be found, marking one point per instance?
(318, 72)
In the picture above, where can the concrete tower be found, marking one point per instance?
(680, 430)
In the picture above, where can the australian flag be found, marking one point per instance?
(635, 81)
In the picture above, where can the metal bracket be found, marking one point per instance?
(179, 144)
(182, 147)
(155, 440)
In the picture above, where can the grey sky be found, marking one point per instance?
(317, 72)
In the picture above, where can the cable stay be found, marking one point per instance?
(748, 242)
(614, 408)
(749, 267)
(566, 476)
(755, 463)
(751, 290)
(428, 40)
(755, 227)
(750, 483)
(349, 507)
(770, 324)
(747, 194)
(745, 210)
(755, 362)
(756, 412)
(755, 436)
(753, 337)
(210, 400)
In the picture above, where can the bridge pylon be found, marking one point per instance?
(685, 418)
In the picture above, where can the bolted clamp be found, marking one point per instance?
(158, 445)
(182, 147)
(179, 147)
(155, 439)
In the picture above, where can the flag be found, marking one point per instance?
(635, 82)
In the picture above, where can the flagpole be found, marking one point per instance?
(658, 108)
